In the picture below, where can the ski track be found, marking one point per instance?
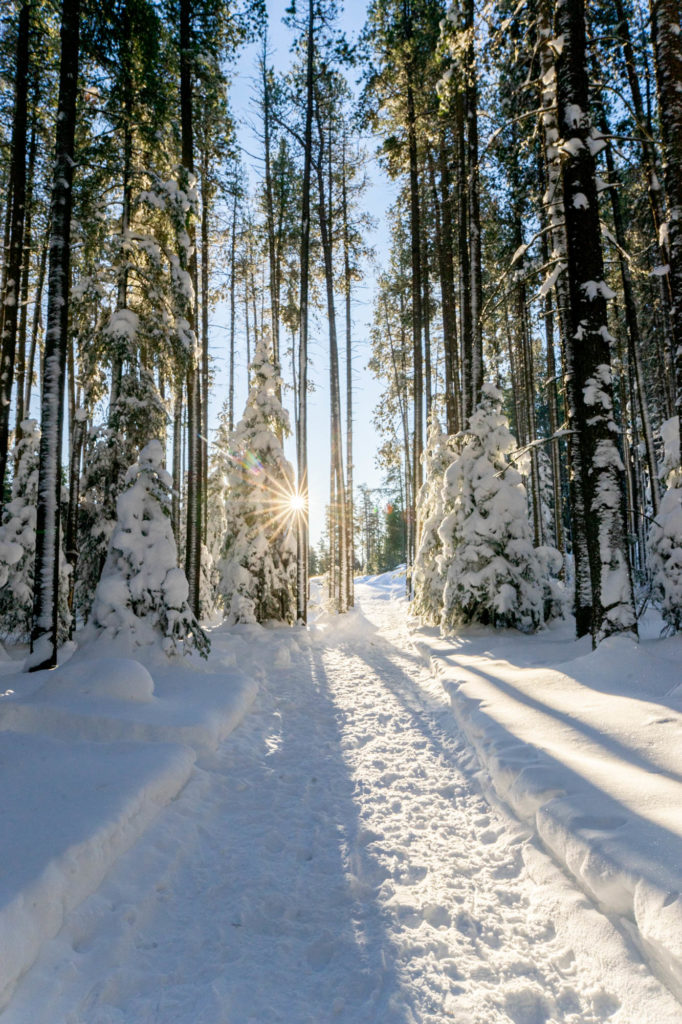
(333, 861)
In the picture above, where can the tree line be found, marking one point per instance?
(535, 250)
(536, 246)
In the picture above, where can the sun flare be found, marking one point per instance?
(297, 502)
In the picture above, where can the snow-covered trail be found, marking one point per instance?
(335, 861)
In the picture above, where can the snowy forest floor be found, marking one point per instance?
(303, 831)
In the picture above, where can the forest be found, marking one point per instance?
(526, 326)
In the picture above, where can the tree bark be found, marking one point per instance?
(601, 465)
(554, 209)
(12, 284)
(302, 434)
(44, 636)
(194, 490)
(667, 43)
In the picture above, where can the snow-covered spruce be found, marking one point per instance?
(142, 594)
(665, 536)
(18, 547)
(258, 567)
(427, 577)
(492, 572)
(111, 448)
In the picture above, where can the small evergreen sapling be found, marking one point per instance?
(665, 536)
(427, 579)
(491, 570)
(18, 546)
(142, 594)
(258, 567)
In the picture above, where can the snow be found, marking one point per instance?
(353, 851)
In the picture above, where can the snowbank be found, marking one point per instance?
(69, 810)
(587, 754)
(90, 754)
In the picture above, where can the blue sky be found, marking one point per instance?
(378, 199)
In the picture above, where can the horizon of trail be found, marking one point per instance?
(335, 861)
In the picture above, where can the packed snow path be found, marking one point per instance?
(335, 861)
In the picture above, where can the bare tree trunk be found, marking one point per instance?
(233, 248)
(37, 324)
(302, 435)
(205, 271)
(655, 194)
(338, 561)
(176, 500)
(554, 204)
(20, 374)
(12, 283)
(473, 211)
(447, 289)
(466, 327)
(665, 35)
(601, 466)
(194, 490)
(553, 405)
(270, 218)
(347, 282)
(415, 248)
(631, 319)
(44, 635)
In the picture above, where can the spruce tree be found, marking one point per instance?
(142, 594)
(491, 571)
(258, 568)
(18, 547)
(427, 578)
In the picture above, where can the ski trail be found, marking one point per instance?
(335, 861)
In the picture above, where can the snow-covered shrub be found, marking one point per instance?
(142, 594)
(665, 535)
(427, 579)
(491, 570)
(110, 449)
(18, 547)
(258, 567)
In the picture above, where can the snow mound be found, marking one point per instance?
(109, 678)
(64, 826)
(587, 754)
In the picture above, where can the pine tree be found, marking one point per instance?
(258, 568)
(427, 579)
(18, 547)
(141, 597)
(492, 573)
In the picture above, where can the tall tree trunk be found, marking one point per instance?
(601, 465)
(44, 635)
(655, 194)
(12, 283)
(77, 437)
(176, 500)
(37, 324)
(302, 434)
(552, 402)
(20, 374)
(122, 298)
(447, 288)
(667, 42)
(347, 284)
(233, 311)
(194, 493)
(205, 273)
(473, 211)
(270, 219)
(631, 319)
(338, 561)
(554, 205)
(466, 327)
